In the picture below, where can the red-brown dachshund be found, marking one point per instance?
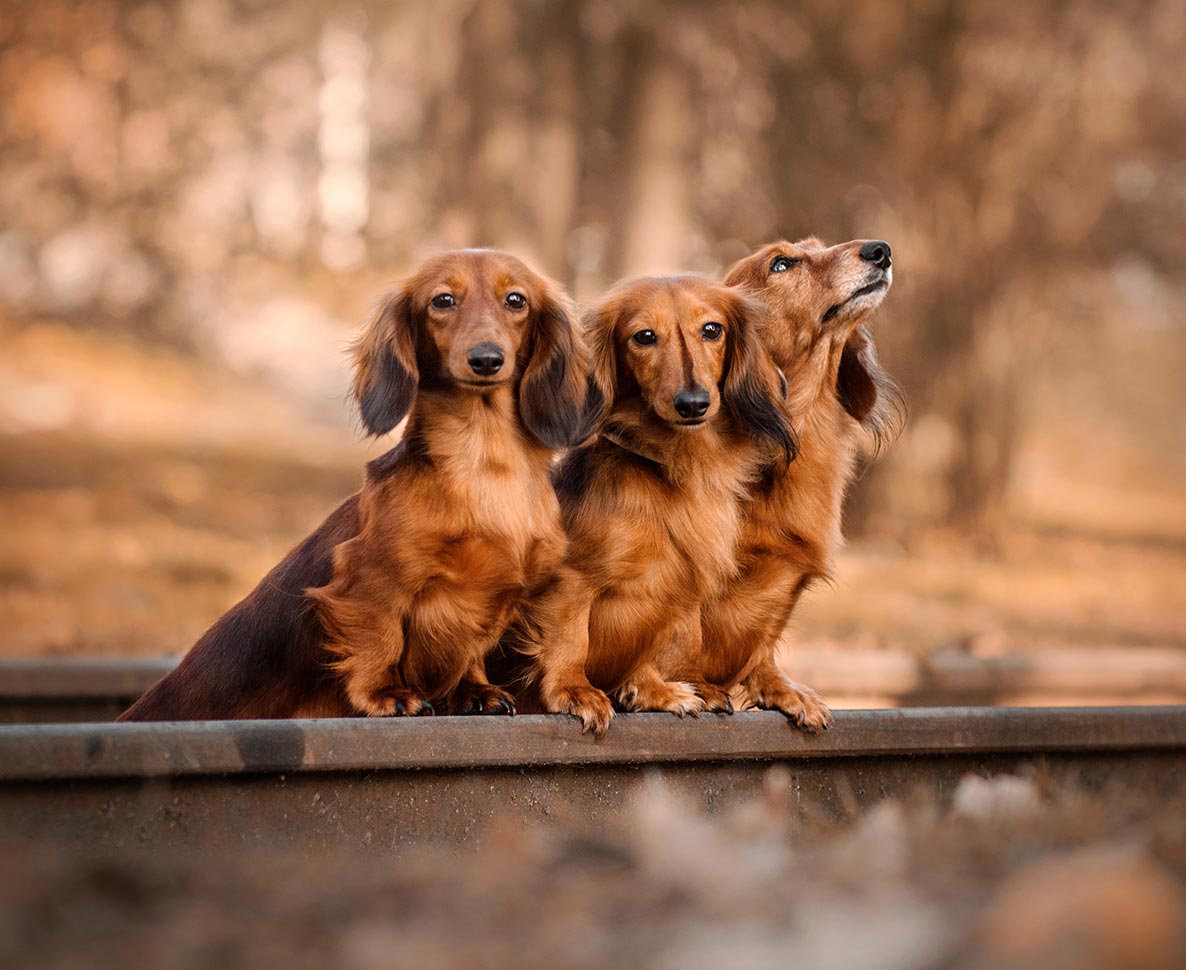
(391, 605)
(818, 298)
(652, 506)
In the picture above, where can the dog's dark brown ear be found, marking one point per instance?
(867, 392)
(385, 370)
(553, 391)
(854, 381)
(753, 388)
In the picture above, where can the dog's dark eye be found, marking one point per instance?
(442, 301)
(712, 331)
(515, 301)
(644, 338)
(780, 264)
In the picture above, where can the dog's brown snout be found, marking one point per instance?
(691, 402)
(485, 359)
(877, 252)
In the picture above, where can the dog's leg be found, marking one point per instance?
(767, 688)
(681, 659)
(560, 656)
(369, 672)
(364, 633)
(476, 695)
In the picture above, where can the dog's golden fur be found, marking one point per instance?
(464, 525)
(651, 507)
(412, 581)
(791, 521)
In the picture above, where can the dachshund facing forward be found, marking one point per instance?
(651, 507)
(392, 604)
(817, 297)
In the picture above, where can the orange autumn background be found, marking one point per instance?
(201, 199)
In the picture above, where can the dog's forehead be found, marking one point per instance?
(783, 247)
(673, 300)
(698, 307)
(466, 269)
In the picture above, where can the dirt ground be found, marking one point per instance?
(1016, 874)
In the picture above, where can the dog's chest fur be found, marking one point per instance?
(497, 479)
(651, 538)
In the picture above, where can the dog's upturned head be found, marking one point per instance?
(681, 349)
(815, 291)
(475, 321)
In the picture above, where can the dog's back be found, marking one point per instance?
(263, 658)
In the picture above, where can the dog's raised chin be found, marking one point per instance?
(865, 297)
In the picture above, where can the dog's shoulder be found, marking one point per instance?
(572, 475)
(406, 454)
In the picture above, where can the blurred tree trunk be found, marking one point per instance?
(655, 201)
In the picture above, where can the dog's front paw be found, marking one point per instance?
(588, 703)
(672, 696)
(398, 702)
(716, 699)
(801, 704)
(481, 699)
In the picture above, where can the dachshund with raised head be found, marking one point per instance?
(390, 607)
(690, 401)
(818, 298)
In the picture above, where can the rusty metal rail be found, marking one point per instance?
(38, 691)
(126, 787)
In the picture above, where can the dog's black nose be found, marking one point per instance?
(485, 359)
(691, 402)
(877, 252)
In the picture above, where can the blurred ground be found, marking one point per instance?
(1015, 873)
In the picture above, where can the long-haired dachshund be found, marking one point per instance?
(391, 605)
(651, 507)
(818, 298)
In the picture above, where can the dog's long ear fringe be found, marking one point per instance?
(553, 392)
(868, 393)
(753, 386)
(385, 369)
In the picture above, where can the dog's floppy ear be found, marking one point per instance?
(600, 323)
(553, 390)
(753, 387)
(867, 392)
(749, 271)
(385, 370)
(855, 385)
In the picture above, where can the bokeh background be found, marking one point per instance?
(200, 199)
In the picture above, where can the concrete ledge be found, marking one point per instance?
(84, 751)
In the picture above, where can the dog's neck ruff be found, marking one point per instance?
(624, 439)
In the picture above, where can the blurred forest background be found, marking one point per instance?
(200, 199)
